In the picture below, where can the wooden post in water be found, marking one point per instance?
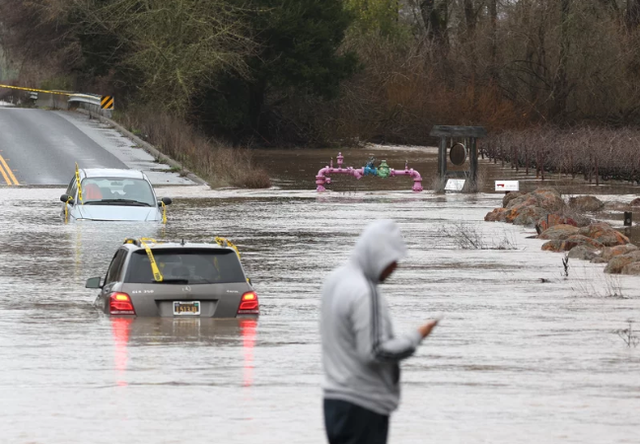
(442, 164)
(473, 165)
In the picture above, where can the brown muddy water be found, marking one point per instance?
(523, 354)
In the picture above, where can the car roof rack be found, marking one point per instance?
(145, 242)
(131, 240)
(139, 242)
(226, 243)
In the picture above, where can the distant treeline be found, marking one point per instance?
(276, 72)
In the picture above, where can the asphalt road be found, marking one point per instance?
(39, 147)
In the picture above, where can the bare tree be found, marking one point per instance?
(434, 16)
(177, 46)
(561, 85)
(633, 14)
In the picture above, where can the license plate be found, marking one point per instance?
(186, 308)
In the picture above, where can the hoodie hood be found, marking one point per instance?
(121, 212)
(379, 245)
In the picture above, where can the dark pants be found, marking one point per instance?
(348, 423)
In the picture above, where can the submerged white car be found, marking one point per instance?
(112, 194)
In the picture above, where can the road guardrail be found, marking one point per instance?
(91, 102)
(94, 103)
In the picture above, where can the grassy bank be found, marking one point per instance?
(217, 163)
(594, 153)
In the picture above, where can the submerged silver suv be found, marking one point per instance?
(112, 194)
(146, 278)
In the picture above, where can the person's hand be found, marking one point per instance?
(426, 328)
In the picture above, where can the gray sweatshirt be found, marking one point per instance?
(360, 352)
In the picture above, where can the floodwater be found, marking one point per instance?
(523, 354)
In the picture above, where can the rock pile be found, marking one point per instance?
(595, 241)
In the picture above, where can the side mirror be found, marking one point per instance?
(65, 198)
(166, 201)
(249, 281)
(93, 282)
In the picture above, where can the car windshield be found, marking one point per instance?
(117, 191)
(186, 266)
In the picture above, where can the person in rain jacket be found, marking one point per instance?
(360, 352)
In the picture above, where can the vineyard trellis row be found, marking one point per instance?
(596, 154)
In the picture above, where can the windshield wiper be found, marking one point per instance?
(118, 201)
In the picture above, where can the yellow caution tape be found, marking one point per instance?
(78, 183)
(224, 242)
(164, 212)
(157, 276)
(36, 90)
(66, 209)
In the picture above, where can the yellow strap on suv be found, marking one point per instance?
(157, 276)
(66, 209)
(224, 242)
(78, 183)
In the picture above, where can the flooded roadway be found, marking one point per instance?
(522, 354)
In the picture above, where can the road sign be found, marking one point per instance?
(507, 185)
(106, 102)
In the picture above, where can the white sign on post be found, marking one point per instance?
(507, 185)
(454, 184)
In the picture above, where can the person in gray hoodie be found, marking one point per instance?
(360, 352)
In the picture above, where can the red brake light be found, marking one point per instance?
(249, 303)
(120, 304)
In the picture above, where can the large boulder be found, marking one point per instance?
(616, 206)
(526, 209)
(559, 232)
(549, 199)
(556, 246)
(524, 200)
(583, 252)
(603, 233)
(552, 220)
(497, 215)
(582, 220)
(528, 216)
(616, 264)
(586, 203)
(570, 243)
(635, 202)
(584, 240)
(633, 268)
(610, 252)
(509, 197)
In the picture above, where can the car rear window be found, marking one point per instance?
(195, 266)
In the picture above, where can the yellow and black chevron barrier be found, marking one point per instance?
(106, 102)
